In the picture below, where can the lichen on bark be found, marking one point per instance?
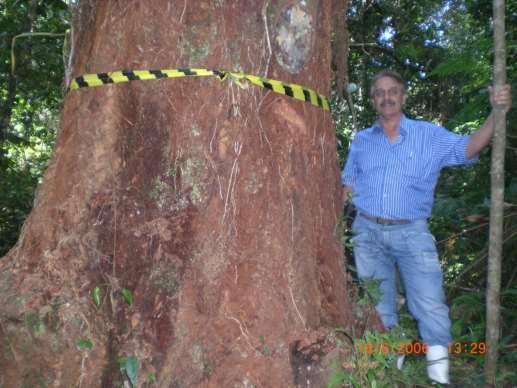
(294, 36)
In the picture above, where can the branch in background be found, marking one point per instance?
(391, 53)
(483, 254)
(7, 110)
(24, 35)
(480, 260)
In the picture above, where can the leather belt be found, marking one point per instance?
(384, 221)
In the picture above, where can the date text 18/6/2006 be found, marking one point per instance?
(415, 347)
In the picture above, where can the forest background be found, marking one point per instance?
(444, 49)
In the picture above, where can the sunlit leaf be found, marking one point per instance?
(127, 295)
(97, 296)
(85, 343)
(129, 366)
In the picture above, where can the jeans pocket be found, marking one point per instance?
(360, 232)
(361, 238)
(423, 248)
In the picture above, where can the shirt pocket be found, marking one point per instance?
(361, 234)
(370, 164)
(415, 164)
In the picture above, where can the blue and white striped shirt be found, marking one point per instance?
(397, 181)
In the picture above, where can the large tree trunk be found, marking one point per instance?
(216, 206)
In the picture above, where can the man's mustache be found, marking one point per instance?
(388, 103)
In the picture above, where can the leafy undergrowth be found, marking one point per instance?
(373, 362)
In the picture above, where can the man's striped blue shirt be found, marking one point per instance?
(397, 181)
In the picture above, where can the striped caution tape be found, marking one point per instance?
(292, 90)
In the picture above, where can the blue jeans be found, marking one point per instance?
(379, 249)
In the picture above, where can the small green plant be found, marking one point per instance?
(129, 366)
(84, 343)
(34, 323)
(370, 290)
(373, 362)
(97, 296)
(151, 377)
(265, 348)
(127, 295)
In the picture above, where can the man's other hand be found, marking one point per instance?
(502, 98)
(346, 190)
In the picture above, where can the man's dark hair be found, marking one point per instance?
(391, 74)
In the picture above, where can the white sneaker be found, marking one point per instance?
(400, 361)
(438, 364)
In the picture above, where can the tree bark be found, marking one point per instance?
(216, 206)
(495, 248)
(340, 47)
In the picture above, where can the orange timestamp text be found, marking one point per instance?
(408, 347)
(415, 347)
(474, 347)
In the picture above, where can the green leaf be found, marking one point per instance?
(97, 296)
(371, 376)
(129, 366)
(127, 295)
(85, 343)
(338, 378)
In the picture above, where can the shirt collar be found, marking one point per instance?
(403, 126)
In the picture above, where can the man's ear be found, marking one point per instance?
(404, 99)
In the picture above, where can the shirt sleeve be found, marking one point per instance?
(349, 173)
(452, 148)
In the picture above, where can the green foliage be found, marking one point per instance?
(34, 323)
(127, 295)
(29, 105)
(129, 366)
(97, 296)
(373, 362)
(16, 195)
(371, 292)
(85, 343)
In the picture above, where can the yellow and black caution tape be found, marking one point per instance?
(292, 90)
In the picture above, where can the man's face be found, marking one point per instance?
(388, 97)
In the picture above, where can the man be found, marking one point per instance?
(391, 171)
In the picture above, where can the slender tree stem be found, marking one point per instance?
(496, 209)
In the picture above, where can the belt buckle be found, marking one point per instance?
(383, 221)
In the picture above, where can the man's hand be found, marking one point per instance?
(502, 98)
(346, 190)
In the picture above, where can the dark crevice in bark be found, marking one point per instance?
(111, 366)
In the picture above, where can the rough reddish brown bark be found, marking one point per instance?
(216, 206)
(340, 47)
